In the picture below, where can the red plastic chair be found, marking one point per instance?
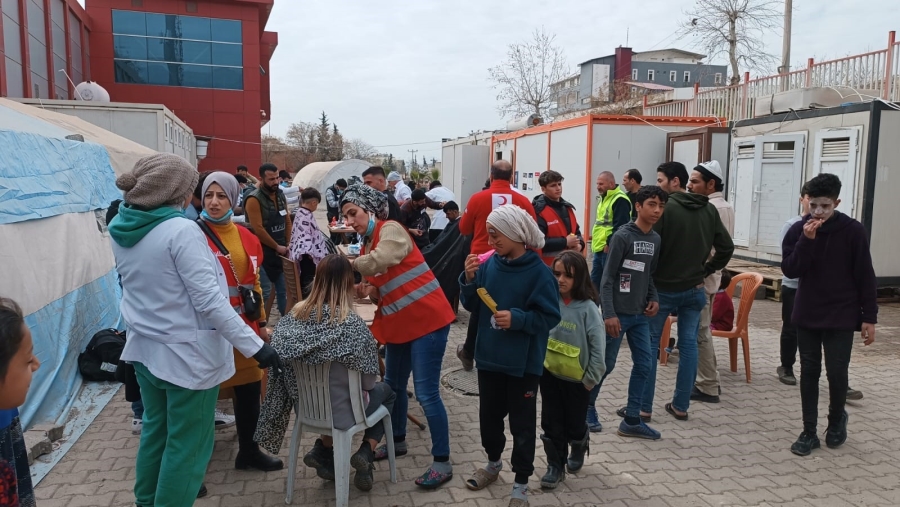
(664, 340)
(751, 283)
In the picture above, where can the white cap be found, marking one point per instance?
(712, 167)
(394, 176)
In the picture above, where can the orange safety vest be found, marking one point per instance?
(556, 228)
(411, 303)
(254, 251)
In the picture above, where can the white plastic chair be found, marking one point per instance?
(314, 416)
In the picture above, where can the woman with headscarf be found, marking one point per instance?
(515, 317)
(181, 327)
(412, 319)
(240, 261)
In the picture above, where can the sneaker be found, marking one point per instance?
(853, 394)
(362, 462)
(836, 436)
(223, 420)
(467, 362)
(593, 420)
(640, 430)
(136, 426)
(698, 395)
(786, 376)
(805, 444)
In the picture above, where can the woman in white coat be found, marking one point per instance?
(181, 327)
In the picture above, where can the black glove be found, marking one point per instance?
(268, 358)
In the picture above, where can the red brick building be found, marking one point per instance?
(206, 60)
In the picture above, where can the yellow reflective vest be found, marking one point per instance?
(603, 225)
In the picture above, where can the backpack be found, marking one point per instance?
(100, 358)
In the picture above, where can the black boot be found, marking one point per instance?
(556, 467)
(579, 449)
(321, 458)
(246, 414)
(363, 463)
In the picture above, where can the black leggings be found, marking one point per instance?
(788, 329)
(837, 346)
(246, 414)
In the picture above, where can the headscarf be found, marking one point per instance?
(228, 183)
(162, 179)
(517, 225)
(368, 199)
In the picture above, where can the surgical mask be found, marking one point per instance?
(225, 218)
(371, 228)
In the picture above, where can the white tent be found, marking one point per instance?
(321, 175)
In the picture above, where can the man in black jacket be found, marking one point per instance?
(374, 177)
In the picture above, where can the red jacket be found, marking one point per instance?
(474, 219)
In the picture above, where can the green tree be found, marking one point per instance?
(323, 139)
(336, 151)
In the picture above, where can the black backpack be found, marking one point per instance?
(99, 360)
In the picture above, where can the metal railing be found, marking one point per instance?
(873, 75)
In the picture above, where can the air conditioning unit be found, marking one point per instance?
(810, 98)
(531, 120)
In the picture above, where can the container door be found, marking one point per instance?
(687, 151)
(837, 152)
(777, 177)
(740, 185)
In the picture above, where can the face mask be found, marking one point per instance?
(205, 216)
(371, 228)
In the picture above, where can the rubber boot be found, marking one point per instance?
(556, 469)
(579, 449)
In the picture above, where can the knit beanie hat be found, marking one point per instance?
(228, 183)
(517, 225)
(394, 176)
(158, 180)
(367, 198)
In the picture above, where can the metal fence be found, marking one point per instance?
(873, 75)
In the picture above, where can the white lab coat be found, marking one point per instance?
(402, 192)
(180, 323)
(440, 194)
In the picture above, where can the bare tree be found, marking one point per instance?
(358, 149)
(735, 28)
(271, 146)
(301, 137)
(523, 80)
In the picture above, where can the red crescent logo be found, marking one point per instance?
(503, 200)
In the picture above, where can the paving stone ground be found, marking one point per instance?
(735, 453)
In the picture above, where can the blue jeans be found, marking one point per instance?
(597, 270)
(280, 290)
(138, 408)
(688, 304)
(637, 331)
(423, 358)
(611, 354)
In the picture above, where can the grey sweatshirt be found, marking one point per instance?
(627, 284)
(580, 326)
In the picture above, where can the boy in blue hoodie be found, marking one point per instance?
(836, 295)
(514, 324)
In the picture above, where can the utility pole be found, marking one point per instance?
(786, 44)
(413, 158)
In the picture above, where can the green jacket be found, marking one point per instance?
(690, 228)
(607, 222)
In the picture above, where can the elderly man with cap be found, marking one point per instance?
(706, 179)
(182, 327)
(401, 190)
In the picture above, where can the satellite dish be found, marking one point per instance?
(90, 91)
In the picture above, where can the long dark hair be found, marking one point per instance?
(12, 332)
(574, 265)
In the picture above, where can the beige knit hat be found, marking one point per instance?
(157, 180)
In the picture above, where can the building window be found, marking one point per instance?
(651, 74)
(634, 74)
(673, 76)
(687, 76)
(718, 78)
(171, 50)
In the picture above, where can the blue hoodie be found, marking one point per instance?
(526, 288)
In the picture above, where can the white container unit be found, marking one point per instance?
(771, 158)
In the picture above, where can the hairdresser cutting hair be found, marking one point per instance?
(413, 321)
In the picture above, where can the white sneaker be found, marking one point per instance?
(223, 420)
(136, 426)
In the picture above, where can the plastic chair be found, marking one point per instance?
(741, 330)
(664, 339)
(291, 282)
(313, 412)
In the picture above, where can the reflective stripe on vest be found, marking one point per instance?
(411, 298)
(407, 276)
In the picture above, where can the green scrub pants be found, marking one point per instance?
(176, 441)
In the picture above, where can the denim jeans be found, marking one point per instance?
(138, 408)
(688, 304)
(599, 263)
(612, 353)
(423, 358)
(280, 290)
(637, 331)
